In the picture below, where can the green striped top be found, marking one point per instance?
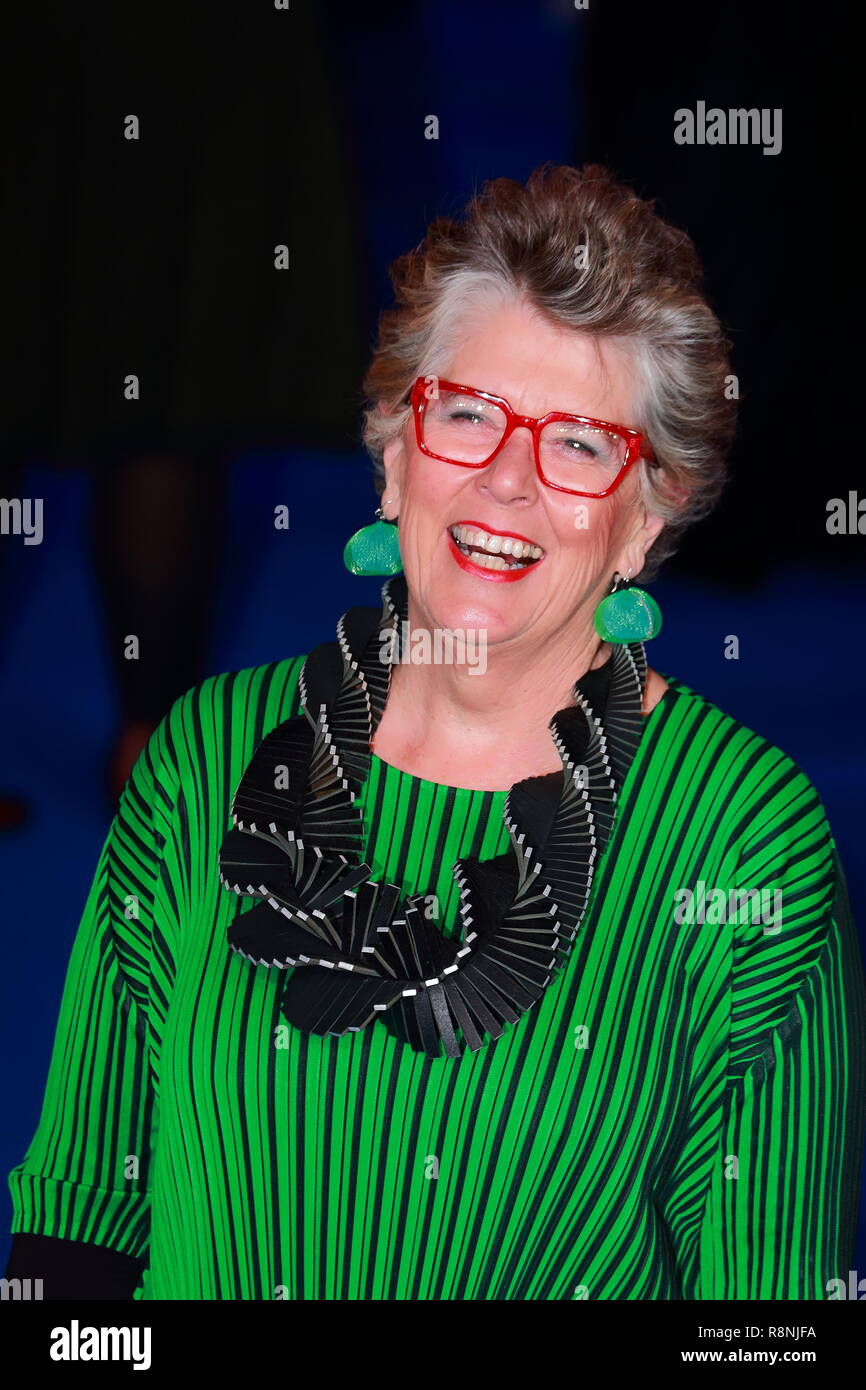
(680, 1116)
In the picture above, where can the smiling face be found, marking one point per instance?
(447, 513)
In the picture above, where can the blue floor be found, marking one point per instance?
(279, 593)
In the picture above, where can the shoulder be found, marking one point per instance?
(211, 731)
(656, 686)
(781, 885)
(757, 789)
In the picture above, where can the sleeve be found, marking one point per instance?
(71, 1269)
(780, 1212)
(85, 1176)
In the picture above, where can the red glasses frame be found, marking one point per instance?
(636, 444)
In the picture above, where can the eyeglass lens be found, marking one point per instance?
(468, 429)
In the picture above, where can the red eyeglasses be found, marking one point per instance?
(573, 453)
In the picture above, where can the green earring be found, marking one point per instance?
(627, 614)
(375, 549)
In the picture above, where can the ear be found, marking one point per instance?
(394, 463)
(642, 535)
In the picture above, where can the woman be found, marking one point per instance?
(540, 979)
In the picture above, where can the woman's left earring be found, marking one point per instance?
(628, 614)
(375, 549)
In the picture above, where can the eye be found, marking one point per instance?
(470, 414)
(577, 445)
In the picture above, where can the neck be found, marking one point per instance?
(484, 699)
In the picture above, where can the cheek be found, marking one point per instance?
(429, 485)
(589, 528)
(426, 503)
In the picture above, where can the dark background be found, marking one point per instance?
(306, 127)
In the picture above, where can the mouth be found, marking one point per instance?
(493, 554)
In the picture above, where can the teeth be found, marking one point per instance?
(491, 562)
(495, 546)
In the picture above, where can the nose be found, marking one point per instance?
(511, 476)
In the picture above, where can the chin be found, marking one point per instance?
(451, 594)
(495, 613)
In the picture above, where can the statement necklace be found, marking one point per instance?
(359, 950)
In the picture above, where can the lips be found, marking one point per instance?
(492, 554)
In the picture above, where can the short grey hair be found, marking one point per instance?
(642, 288)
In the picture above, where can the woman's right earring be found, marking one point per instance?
(375, 549)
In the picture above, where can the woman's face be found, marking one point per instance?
(513, 352)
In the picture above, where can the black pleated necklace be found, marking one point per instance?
(359, 950)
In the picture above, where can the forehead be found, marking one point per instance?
(538, 366)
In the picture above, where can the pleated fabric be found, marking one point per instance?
(680, 1117)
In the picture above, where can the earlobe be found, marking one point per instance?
(636, 552)
(653, 531)
(393, 460)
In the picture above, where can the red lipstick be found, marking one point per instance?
(498, 576)
(491, 530)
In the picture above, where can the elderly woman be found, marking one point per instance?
(535, 976)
